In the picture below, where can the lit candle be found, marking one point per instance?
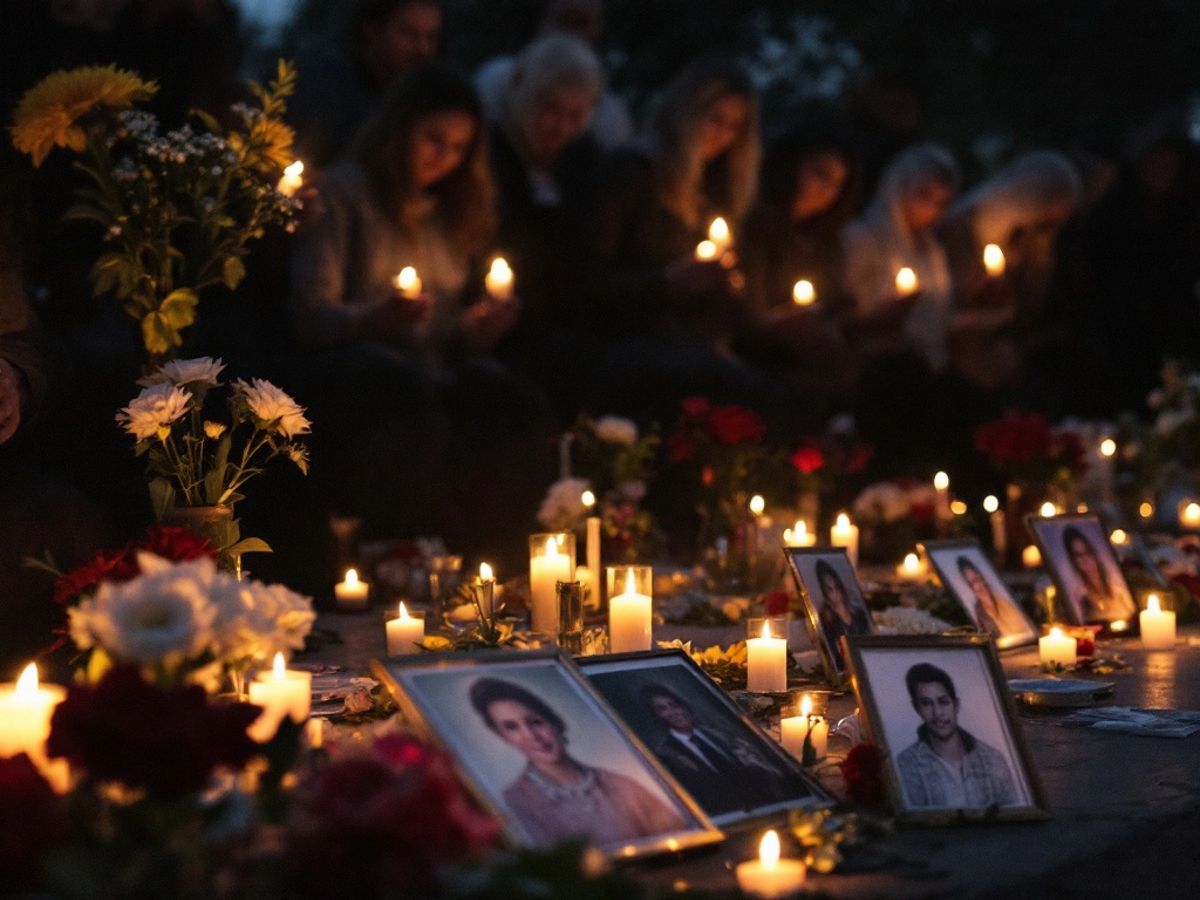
(1146, 509)
(706, 251)
(719, 234)
(794, 729)
(1031, 556)
(405, 633)
(629, 619)
(1189, 515)
(993, 260)
(766, 662)
(1048, 510)
(1106, 453)
(991, 506)
(770, 876)
(593, 543)
(548, 565)
(1056, 649)
(906, 282)
(941, 487)
(913, 568)
(845, 534)
(408, 283)
(803, 293)
(499, 280)
(1158, 625)
(281, 693)
(487, 596)
(25, 711)
(351, 593)
(799, 535)
(291, 180)
(1119, 537)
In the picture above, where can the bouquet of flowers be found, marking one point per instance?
(177, 210)
(1170, 447)
(894, 515)
(197, 461)
(1025, 449)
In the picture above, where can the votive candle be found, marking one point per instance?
(25, 711)
(845, 534)
(282, 693)
(1056, 649)
(1157, 624)
(766, 662)
(351, 593)
(405, 632)
(769, 875)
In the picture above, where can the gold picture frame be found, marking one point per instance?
(1071, 604)
(1014, 628)
(904, 680)
(628, 800)
(803, 563)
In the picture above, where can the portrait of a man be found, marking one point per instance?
(947, 767)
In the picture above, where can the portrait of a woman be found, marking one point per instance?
(994, 615)
(556, 795)
(1099, 598)
(839, 614)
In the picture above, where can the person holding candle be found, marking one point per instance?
(839, 615)
(947, 767)
(556, 795)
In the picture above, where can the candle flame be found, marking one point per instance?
(941, 481)
(768, 850)
(407, 279)
(1119, 536)
(1146, 509)
(1108, 447)
(1056, 632)
(993, 259)
(295, 170)
(843, 522)
(803, 293)
(402, 612)
(588, 498)
(806, 706)
(551, 546)
(1031, 556)
(500, 270)
(352, 576)
(630, 585)
(718, 231)
(906, 281)
(1152, 604)
(279, 667)
(757, 505)
(706, 250)
(991, 503)
(766, 632)
(485, 572)
(912, 562)
(27, 684)
(1048, 510)
(958, 507)
(1191, 514)
(1118, 625)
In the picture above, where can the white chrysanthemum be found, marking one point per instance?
(202, 370)
(256, 621)
(155, 407)
(908, 620)
(615, 430)
(163, 617)
(276, 409)
(563, 508)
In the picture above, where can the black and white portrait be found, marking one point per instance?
(973, 581)
(833, 599)
(1085, 569)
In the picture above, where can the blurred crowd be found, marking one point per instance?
(840, 283)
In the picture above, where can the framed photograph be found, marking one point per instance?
(545, 753)
(970, 578)
(833, 601)
(716, 752)
(939, 709)
(1090, 585)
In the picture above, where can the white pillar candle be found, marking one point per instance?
(548, 565)
(629, 619)
(1056, 649)
(941, 487)
(281, 692)
(499, 279)
(766, 662)
(991, 506)
(799, 535)
(1106, 454)
(593, 539)
(1158, 625)
(408, 283)
(291, 180)
(845, 534)
(794, 729)
(404, 633)
(770, 876)
(25, 711)
(351, 593)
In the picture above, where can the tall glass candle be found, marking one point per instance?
(630, 613)
(551, 560)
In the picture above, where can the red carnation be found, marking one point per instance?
(863, 770)
(808, 459)
(33, 820)
(177, 544)
(735, 425)
(166, 741)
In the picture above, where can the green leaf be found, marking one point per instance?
(179, 307)
(214, 485)
(157, 334)
(107, 271)
(162, 496)
(84, 211)
(250, 545)
(232, 272)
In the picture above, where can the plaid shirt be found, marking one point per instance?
(987, 780)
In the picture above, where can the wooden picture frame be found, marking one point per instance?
(734, 770)
(624, 801)
(1117, 610)
(931, 688)
(808, 566)
(967, 574)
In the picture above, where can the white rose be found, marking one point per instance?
(563, 509)
(203, 370)
(256, 621)
(163, 617)
(156, 406)
(615, 430)
(275, 408)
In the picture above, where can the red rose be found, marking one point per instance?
(166, 741)
(111, 565)
(863, 770)
(808, 459)
(694, 408)
(735, 425)
(680, 447)
(177, 544)
(33, 820)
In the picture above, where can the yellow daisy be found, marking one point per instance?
(48, 114)
(267, 146)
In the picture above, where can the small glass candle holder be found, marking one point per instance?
(630, 608)
(551, 560)
(570, 616)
